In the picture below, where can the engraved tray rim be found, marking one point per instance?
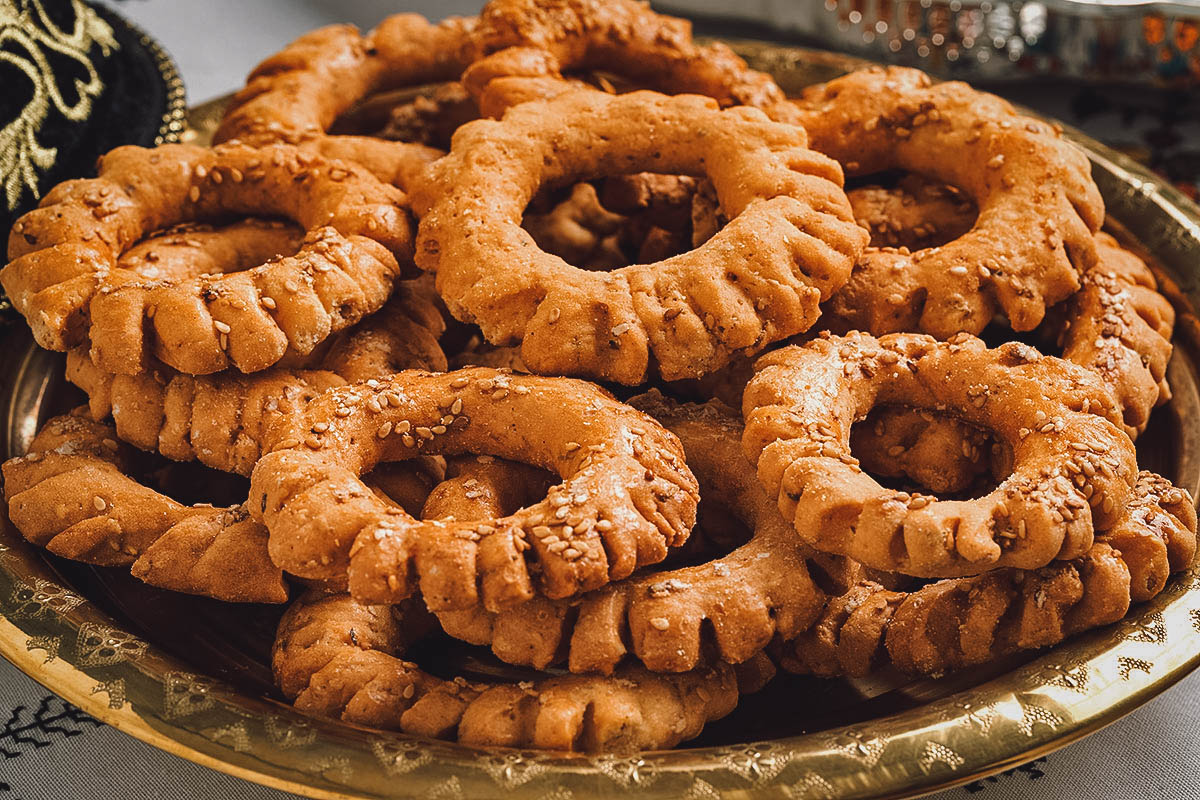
(64, 642)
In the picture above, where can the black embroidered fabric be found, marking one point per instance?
(115, 85)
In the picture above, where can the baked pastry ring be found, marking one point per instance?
(1072, 467)
(297, 94)
(962, 622)
(531, 39)
(1038, 206)
(71, 494)
(627, 494)
(1119, 326)
(225, 421)
(726, 608)
(336, 657)
(790, 241)
(66, 279)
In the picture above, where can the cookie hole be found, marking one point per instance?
(187, 251)
(913, 450)
(904, 209)
(618, 220)
(426, 115)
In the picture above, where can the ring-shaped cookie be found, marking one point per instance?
(71, 494)
(626, 497)
(1119, 326)
(790, 241)
(1072, 467)
(622, 37)
(226, 421)
(1038, 206)
(66, 280)
(728, 607)
(962, 622)
(336, 657)
(297, 94)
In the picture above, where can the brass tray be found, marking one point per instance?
(190, 676)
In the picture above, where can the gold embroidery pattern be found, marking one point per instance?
(33, 33)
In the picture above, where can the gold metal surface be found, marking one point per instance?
(68, 628)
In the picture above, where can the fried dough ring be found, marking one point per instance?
(760, 590)
(1072, 472)
(1017, 170)
(532, 38)
(962, 622)
(70, 494)
(627, 494)
(296, 95)
(1119, 326)
(66, 281)
(339, 658)
(688, 314)
(226, 421)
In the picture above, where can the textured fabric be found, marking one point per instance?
(68, 98)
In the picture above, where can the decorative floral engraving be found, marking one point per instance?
(115, 689)
(511, 770)
(42, 597)
(98, 645)
(400, 757)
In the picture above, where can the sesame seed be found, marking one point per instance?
(660, 623)
(99, 503)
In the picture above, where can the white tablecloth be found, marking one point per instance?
(51, 751)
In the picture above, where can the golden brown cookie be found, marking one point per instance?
(66, 278)
(726, 607)
(622, 37)
(626, 496)
(962, 622)
(339, 658)
(790, 241)
(1038, 207)
(71, 494)
(225, 421)
(1072, 467)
